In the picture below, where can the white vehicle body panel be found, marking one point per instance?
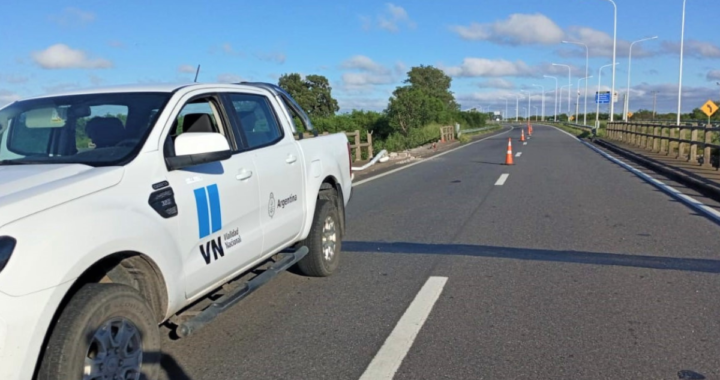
(67, 217)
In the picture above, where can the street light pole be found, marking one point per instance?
(556, 95)
(612, 91)
(569, 82)
(517, 108)
(536, 113)
(682, 52)
(627, 94)
(597, 101)
(577, 107)
(543, 100)
(587, 68)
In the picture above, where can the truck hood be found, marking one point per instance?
(28, 189)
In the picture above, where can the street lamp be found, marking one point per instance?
(587, 68)
(597, 101)
(543, 100)
(682, 52)
(536, 113)
(577, 103)
(612, 91)
(627, 94)
(556, 94)
(517, 107)
(569, 82)
(527, 114)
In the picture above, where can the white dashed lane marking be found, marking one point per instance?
(387, 361)
(518, 154)
(502, 179)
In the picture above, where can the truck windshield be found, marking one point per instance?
(94, 129)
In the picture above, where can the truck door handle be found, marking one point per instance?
(244, 174)
(291, 159)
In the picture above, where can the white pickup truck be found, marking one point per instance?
(123, 209)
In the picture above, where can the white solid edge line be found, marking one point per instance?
(673, 192)
(366, 180)
(502, 179)
(387, 361)
(518, 154)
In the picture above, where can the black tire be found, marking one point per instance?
(93, 307)
(315, 264)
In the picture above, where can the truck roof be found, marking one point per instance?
(160, 87)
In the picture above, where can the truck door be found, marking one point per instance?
(219, 228)
(279, 162)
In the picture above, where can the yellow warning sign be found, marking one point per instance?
(572, 117)
(709, 108)
(630, 114)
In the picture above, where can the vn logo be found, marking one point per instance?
(217, 249)
(209, 214)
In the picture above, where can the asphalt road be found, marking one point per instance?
(574, 268)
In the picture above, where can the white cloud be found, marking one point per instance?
(73, 17)
(390, 19)
(227, 49)
(693, 48)
(497, 83)
(7, 97)
(368, 104)
(229, 78)
(186, 69)
(518, 29)
(61, 56)
(400, 68)
(368, 73)
(483, 67)
(713, 75)
(276, 57)
(363, 63)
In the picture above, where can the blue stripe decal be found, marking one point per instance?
(215, 212)
(203, 213)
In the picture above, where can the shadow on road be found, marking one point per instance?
(573, 257)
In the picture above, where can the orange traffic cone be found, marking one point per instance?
(522, 136)
(529, 129)
(509, 156)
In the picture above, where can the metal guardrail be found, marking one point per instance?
(667, 139)
(582, 126)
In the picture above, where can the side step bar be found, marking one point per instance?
(286, 260)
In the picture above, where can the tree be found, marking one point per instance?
(412, 108)
(313, 93)
(434, 82)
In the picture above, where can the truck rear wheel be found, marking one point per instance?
(106, 331)
(324, 242)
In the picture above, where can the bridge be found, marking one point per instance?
(575, 262)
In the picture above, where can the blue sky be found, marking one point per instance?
(492, 49)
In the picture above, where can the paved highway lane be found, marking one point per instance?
(572, 268)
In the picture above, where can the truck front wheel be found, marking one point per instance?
(324, 242)
(106, 331)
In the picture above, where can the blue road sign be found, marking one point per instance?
(602, 97)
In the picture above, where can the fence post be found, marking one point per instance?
(707, 151)
(358, 149)
(693, 146)
(670, 142)
(655, 142)
(681, 146)
(370, 147)
(663, 140)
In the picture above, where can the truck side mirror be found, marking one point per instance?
(196, 148)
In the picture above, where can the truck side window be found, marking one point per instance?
(257, 120)
(199, 115)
